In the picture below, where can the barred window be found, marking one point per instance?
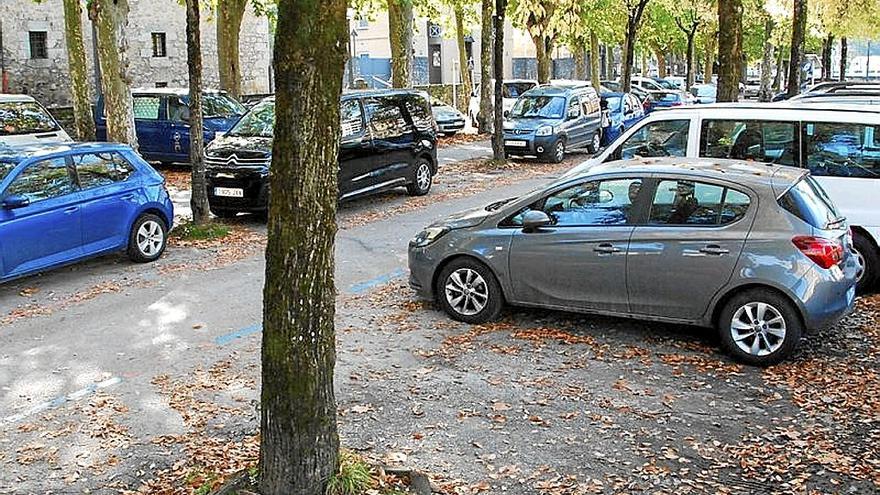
(159, 48)
(38, 43)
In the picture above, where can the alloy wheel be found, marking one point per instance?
(466, 291)
(560, 151)
(597, 141)
(423, 176)
(860, 264)
(758, 328)
(150, 238)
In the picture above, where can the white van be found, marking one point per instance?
(840, 145)
(24, 121)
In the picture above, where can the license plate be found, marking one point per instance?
(516, 144)
(229, 192)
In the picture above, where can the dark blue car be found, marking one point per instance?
(63, 203)
(161, 117)
(624, 110)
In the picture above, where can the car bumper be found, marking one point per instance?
(516, 144)
(450, 126)
(826, 296)
(421, 271)
(254, 185)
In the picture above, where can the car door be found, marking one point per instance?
(591, 115)
(355, 149)
(688, 247)
(46, 231)
(574, 123)
(110, 199)
(177, 129)
(633, 111)
(393, 143)
(579, 261)
(151, 128)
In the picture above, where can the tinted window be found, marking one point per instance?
(220, 105)
(548, 107)
(662, 138)
(101, 169)
(43, 180)
(421, 113)
(259, 121)
(146, 107)
(843, 150)
(686, 202)
(386, 118)
(24, 118)
(808, 201)
(352, 118)
(763, 141)
(607, 202)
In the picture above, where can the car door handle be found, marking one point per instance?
(72, 209)
(127, 196)
(606, 248)
(714, 249)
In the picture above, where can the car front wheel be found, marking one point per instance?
(421, 180)
(468, 291)
(557, 153)
(760, 327)
(596, 143)
(148, 238)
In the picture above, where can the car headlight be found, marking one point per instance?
(427, 236)
(544, 131)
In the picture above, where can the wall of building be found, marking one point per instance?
(46, 79)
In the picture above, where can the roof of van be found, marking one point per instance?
(782, 105)
(551, 90)
(23, 152)
(7, 98)
(383, 92)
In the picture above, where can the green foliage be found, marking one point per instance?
(353, 477)
(189, 231)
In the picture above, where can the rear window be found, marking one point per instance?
(24, 118)
(5, 168)
(809, 202)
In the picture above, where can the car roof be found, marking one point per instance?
(7, 98)
(551, 90)
(23, 152)
(786, 107)
(747, 173)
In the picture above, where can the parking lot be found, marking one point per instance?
(118, 377)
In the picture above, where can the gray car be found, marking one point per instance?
(757, 251)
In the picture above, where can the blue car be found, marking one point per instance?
(64, 203)
(624, 110)
(161, 119)
(667, 99)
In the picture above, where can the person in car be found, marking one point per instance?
(685, 204)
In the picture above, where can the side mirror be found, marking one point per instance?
(15, 201)
(534, 220)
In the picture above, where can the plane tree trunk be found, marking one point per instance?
(111, 18)
(594, 61)
(485, 115)
(230, 14)
(400, 36)
(766, 91)
(463, 62)
(796, 54)
(498, 63)
(634, 18)
(730, 14)
(83, 121)
(843, 60)
(199, 199)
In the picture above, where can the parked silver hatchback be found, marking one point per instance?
(757, 251)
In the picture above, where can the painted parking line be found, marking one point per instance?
(244, 332)
(59, 401)
(373, 282)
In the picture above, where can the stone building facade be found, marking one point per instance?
(34, 53)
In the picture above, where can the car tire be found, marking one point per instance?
(557, 152)
(483, 301)
(225, 213)
(760, 327)
(422, 178)
(147, 239)
(868, 260)
(596, 143)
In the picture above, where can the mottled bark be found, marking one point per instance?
(661, 61)
(199, 200)
(709, 59)
(730, 14)
(299, 444)
(689, 28)
(780, 70)
(634, 18)
(543, 51)
(498, 62)
(843, 61)
(83, 121)
(111, 19)
(766, 91)
(485, 115)
(230, 14)
(400, 36)
(827, 47)
(579, 52)
(796, 53)
(463, 66)
(594, 61)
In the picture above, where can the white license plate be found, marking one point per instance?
(229, 192)
(516, 144)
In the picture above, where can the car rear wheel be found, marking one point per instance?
(148, 238)
(468, 291)
(867, 259)
(760, 327)
(421, 180)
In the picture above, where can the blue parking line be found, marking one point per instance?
(244, 332)
(373, 282)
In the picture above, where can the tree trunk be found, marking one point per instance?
(780, 70)
(299, 444)
(689, 63)
(111, 18)
(843, 61)
(230, 13)
(580, 61)
(463, 65)
(400, 36)
(709, 60)
(498, 136)
(766, 92)
(730, 14)
(199, 199)
(796, 55)
(542, 54)
(827, 47)
(594, 61)
(634, 17)
(485, 114)
(83, 121)
(661, 61)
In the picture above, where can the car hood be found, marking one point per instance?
(528, 124)
(241, 146)
(445, 113)
(464, 219)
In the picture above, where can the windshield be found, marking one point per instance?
(258, 122)
(514, 90)
(548, 107)
(666, 84)
(24, 118)
(221, 105)
(5, 168)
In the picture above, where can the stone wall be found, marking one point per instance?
(46, 79)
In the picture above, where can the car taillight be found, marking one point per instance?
(677, 103)
(824, 252)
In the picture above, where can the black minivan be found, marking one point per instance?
(389, 139)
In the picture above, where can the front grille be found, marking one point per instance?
(234, 160)
(520, 131)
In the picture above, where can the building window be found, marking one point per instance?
(39, 48)
(159, 49)
(363, 23)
